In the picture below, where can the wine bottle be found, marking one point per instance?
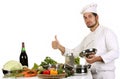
(23, 56)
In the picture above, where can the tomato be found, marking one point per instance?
(46, 72)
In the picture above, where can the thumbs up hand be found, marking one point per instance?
(55, 43)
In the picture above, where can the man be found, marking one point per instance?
(101, 38)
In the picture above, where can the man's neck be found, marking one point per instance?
(94, 28)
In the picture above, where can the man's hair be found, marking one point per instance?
(95, 14)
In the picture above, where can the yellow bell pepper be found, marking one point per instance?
(53, 72)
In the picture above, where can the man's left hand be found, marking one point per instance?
(92, 58)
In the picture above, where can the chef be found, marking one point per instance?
(101, 38)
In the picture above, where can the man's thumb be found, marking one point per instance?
(56, 38)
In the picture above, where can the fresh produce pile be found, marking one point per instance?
(51, 67)
(47, 67)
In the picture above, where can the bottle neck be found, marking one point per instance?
(23, 46)
(23, 49)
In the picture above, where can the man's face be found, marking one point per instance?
(90, 19)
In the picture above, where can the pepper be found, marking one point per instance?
(53, 72)
(60, 71)
(46, 72)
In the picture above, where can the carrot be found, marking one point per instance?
(29, 73)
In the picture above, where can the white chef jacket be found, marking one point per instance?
(106, 43)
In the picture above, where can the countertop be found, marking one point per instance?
(85, 76)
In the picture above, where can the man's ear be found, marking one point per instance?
(97, 17)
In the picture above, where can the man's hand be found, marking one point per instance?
(55, 43)
(92, 58)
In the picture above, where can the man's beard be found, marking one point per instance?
(93, 25)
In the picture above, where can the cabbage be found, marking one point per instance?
(12, 65)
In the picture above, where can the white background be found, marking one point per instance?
(37, 21)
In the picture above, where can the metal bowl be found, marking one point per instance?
(82, 69)
(5, 72)
(87, 52)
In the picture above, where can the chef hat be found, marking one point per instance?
(90, 8)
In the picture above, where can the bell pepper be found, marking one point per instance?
(53, 72)
(46, 72)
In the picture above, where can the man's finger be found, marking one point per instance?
(56, 37)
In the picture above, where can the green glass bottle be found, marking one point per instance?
(23, 56)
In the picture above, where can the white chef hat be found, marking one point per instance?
(89, 8)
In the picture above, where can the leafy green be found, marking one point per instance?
(35, 66)
(12, 65)
(47, 61)
(77, 60)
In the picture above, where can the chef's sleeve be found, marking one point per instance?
(75, 50)
(112, 47)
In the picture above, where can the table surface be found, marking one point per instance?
(85, 76)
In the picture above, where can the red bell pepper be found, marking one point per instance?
(46, 72)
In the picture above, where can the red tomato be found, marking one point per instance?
(46, 72)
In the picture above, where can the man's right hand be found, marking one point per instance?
(55, 43)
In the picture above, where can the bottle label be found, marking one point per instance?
(23, 49)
